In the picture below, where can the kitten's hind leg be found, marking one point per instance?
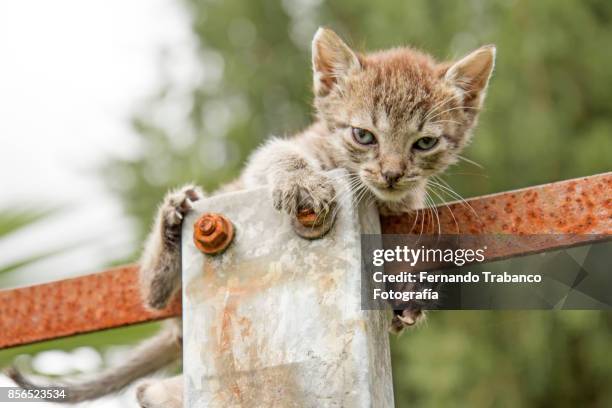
(166, 393)
(406, 318)
(160, 265)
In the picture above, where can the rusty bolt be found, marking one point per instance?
(308, 218)
(311, 225)
(207, 226)
(212, 233)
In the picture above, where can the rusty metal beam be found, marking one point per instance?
(74, 306)
(556, 215)
(576, 211)
(579, 206)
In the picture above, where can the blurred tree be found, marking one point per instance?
(547, 117)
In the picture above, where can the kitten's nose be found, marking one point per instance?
(392, 176)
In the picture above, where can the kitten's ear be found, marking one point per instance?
(332, 60)
(471, 74)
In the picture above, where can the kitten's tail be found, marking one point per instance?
(150, 356)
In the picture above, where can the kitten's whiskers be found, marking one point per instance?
(434, 211)
(452, 109)
(448, 190)
(444, 202)
(436, 107)
(472, 162)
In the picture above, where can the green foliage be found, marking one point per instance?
(505, 359)
(547, 118)
(12, 221)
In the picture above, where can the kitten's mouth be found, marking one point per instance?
(389, 193)
(393, 193)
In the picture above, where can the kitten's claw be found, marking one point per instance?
(304, 192)
(178, 203)
(405, 318)
(193, 193)
(311, 191)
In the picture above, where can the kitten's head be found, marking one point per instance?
(397, 116)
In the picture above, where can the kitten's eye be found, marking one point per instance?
(425, 143)
(362, 136)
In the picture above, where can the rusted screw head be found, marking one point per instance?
(212, 233)
(308, 218)
(207, 226)
(311, 225)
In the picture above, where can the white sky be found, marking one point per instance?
(71, 74)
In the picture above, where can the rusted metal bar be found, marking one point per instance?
(576, 211)
(74, 306)
(556, 215)
(580, 206)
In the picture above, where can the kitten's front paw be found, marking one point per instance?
(304, 191)
(176, 205)
(161, 260)
(309, 198)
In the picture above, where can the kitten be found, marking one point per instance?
(391, 119)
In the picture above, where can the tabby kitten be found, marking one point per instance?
(392, 119)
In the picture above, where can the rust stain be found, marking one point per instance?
(245, 327)
(235, 387)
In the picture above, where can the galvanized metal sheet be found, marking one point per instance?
(275, 320)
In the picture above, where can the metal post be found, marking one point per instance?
(275, 319)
